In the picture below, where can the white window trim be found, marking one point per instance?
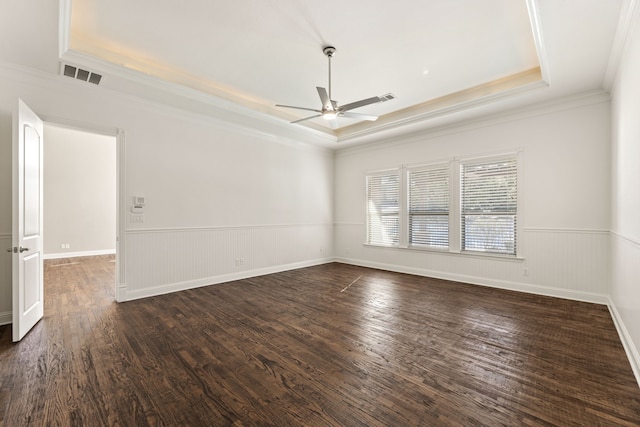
(460, 161)
(405, 212)
(383, 172)
(455, 196)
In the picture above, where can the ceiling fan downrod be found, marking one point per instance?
(329, 51)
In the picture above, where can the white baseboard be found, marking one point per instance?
(128, 295)
(6, 318)
(79, 254)
(629, 347)
(482, 281)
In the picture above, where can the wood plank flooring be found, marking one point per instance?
(332, 345)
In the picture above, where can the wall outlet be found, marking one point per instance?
(525, 271)
(65, 245)
(239, 262)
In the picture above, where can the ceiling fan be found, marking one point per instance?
(331, 110)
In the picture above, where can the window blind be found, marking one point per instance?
(383, 209)
(429, 207)
(489, 206)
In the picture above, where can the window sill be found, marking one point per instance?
(466, 254)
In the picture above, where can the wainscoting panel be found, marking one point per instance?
(625, 295)
(5, 280)
(564, 263)
(167, 260)
(576, 260)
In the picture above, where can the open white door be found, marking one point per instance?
(28, 289)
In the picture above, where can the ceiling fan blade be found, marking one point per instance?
(361, 103)
(326, 102)
(299, 108)
(307, 118)
(368, 117)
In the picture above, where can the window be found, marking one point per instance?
(383, 209)
(428, 208)
(457, 205)
(489, 206)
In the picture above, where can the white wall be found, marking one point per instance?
(79, 192)
(564, 192)
(625, 203)
(222, 202)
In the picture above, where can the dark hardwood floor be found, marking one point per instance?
(333, 345)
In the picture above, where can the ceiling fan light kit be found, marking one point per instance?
(330, 110)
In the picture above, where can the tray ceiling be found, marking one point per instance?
(435, 56)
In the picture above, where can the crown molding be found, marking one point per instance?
(421, 115)
(494, 118)
(281, 133)
(134, 83)
(629, 15)
(164, 91)
(64, 27)
(538, 39)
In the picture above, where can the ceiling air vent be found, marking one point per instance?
(387, 97)
(80, 74)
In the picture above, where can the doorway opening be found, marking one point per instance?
(79, 196)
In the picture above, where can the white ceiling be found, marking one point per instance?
(438, 57)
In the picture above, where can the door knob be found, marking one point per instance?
(15, 249)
